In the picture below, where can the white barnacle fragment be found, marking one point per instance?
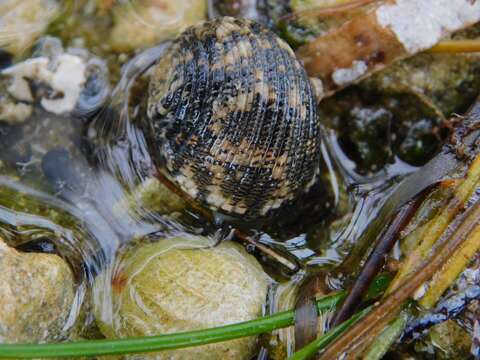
(65, 77)
(345, 76)
(29, 69)
(68, 78)
(419, 25)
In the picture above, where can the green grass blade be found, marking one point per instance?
(173, 341)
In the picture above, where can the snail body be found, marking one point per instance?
(232, 118)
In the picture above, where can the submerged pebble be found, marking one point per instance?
(182, 284)
(152, 195)
(23, 21)
(145, 23)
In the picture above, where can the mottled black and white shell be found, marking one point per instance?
(233, 118)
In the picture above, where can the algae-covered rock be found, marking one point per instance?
(144, 23)
(446, 341)
(36, 295)
(23, 21)
(375, 127)
(449, 82)
(152, 195)
(182, 284)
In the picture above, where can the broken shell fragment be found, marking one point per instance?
(65, 78)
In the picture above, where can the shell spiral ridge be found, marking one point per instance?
(233, 118)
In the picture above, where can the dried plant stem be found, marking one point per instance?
(381, 345)
(376, 260)
(436, 227)
(238, 233)
(451, 270)
(437, 287)
(455, 47)
(174, 189)
(266, 250)
(354, 340)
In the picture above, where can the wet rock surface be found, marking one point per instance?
(182, 284)
(23, 21)
(36, 294)
(152, 195)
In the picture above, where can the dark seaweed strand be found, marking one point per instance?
(201, 145)
(476, 338)
(377, 258)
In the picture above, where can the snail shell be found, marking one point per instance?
(232, 118)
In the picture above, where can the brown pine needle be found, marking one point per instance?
(266, 250)
(455, 47)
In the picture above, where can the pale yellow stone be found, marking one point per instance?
(36, 295)
(23, 21)
(182, 284)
